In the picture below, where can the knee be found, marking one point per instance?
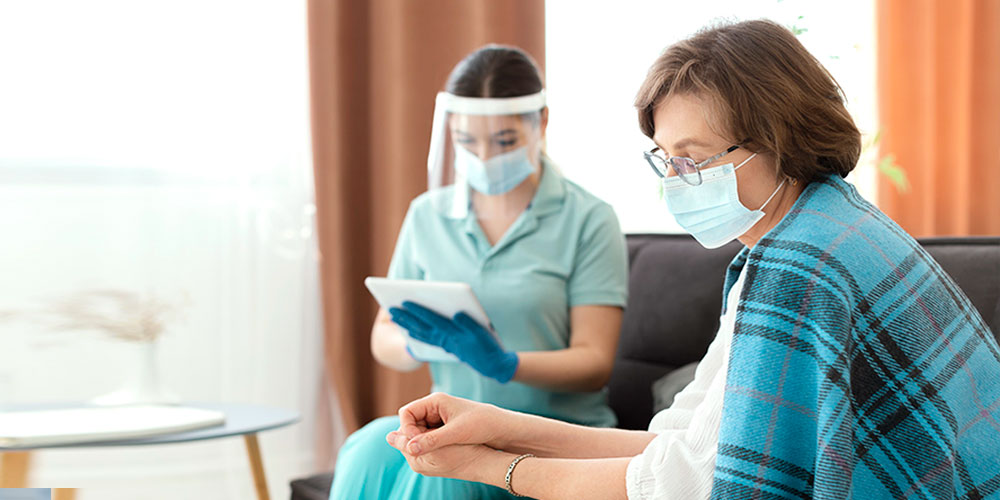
(368, 444)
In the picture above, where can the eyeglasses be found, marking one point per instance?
(686, 168)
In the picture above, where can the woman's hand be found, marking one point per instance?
(440, 420)
(460, 461)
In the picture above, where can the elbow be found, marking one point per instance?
(599, 377)
(398, 363)
(391, 353)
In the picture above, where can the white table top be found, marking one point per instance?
(240, 419)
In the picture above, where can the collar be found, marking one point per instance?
(551, 190)
(548, 197)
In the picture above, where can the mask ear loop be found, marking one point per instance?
(772, 195)
(744, 162)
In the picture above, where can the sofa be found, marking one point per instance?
(675, 297)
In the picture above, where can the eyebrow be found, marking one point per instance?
(506, 131)
(689, 141)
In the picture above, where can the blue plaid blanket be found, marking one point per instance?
(858, 368)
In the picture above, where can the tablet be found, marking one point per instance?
(443, 297)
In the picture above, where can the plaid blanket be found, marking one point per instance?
(858, 368)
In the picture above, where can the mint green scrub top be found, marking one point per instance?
(565, 250)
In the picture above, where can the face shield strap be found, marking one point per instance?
(451, 103)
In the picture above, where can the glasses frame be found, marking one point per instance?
(651, 154)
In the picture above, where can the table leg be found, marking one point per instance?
(63, 494)
(256, 466)
(14, 467)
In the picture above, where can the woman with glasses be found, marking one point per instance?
(847, 363)
(546, 260)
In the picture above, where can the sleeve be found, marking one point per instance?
(405, 262)
(670, 468)
(600, 270)
(680, 462)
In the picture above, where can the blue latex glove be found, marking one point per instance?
(461, 336)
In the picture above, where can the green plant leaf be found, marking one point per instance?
(896, 175)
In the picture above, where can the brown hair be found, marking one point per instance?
(495, 71)
(766, 90)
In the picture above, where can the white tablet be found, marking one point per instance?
(443, 297)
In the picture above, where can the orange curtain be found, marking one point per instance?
(939, 104)
(375, 68)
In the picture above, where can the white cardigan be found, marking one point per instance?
(680, 462)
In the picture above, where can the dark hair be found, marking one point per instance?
(766, 89)
(495, 71)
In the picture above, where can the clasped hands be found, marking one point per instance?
(441, 435)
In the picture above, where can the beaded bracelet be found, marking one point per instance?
(510, 473)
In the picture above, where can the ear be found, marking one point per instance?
(544, 120)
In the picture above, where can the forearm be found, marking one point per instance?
(572, 369)
(553, 438)
(388, 345)
(555, 478)
(585, 365)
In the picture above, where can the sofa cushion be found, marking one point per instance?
(974, 263)
(675, 297)
(666, 388)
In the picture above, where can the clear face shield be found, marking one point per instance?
(485, 154)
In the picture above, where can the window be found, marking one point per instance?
(597, 56)
(161, 148)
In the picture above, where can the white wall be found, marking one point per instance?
(597, 54)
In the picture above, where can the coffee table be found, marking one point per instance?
(241, 420)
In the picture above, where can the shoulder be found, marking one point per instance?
(429, 201)
(834, 238)
(432, 207)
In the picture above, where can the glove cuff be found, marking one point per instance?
(507, 367)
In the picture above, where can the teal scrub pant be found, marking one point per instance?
(368, 468)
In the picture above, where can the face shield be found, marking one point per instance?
(485, 154)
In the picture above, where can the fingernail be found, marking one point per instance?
(414, 447)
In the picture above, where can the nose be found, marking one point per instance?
(482, 151)
(671, 172)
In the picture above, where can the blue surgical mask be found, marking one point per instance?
(711, 211)
(496, 175)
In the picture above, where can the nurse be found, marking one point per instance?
(546, 259)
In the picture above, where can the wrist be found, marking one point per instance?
(493, 469)
(507, 425)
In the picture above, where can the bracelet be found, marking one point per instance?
(510, 473)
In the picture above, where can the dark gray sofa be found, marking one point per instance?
(675, 296)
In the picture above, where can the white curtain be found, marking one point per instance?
(161, 148)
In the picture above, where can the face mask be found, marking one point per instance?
(496, 175)
(711, 211)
